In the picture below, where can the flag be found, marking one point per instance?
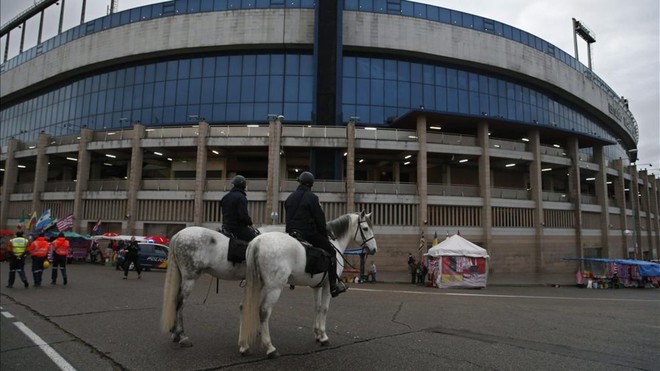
(65, 223)
(32, 222)
(44, 220)
(422, 242)
(97, 227)
(435, 238)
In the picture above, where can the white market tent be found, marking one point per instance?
(462, 264)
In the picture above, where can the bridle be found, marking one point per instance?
(365, 240)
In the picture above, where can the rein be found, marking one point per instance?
(362, 245)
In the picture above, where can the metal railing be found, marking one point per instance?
(107, 185)
(511, 193)
(453, 190)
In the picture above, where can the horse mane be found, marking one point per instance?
(339, 226)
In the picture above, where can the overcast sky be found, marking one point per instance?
(626, 54)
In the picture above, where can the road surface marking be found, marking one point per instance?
(50, 352)
(504, 296)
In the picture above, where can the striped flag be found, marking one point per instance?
(32, 222)
(422, 242)
(65, 223)
(435, 238)
(44, 220)
(97, 227)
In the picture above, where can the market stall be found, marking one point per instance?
(461, 263)
(616, 273)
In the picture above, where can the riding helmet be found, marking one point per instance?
(239, 182)
(306, 178)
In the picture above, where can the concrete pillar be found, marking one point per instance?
(274, 157)
(574, 191)
(200, 172)
(484, 185)
(9, 182)
(422, 167)
(82, 177)
(637, 220)
(648, 242)
(655, 208)
(40, 172)
(134, 178)
(536, 185)
(601, 194)
(620, 195)
(350, 167)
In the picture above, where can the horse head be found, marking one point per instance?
(366, 238)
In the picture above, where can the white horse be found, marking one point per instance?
(193, 252)
(276, 259)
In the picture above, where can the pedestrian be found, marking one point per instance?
(38, 250)
(372, 271)
(60, 255)
(132, 256)
(17, 250)
(412, 268)
(235, 216)
(305, 216)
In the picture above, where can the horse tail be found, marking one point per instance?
(170, 292)
(250, 320)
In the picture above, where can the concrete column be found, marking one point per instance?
(655, 208)
(40, 172)
(601, 194)
(620, 195)
(536, 184)
(9, 182)
(274, 159)
(574, 191)
(134, 177)
(82, 177)
(648, 242)
(350, 167)
(200, 172)
(637, 220)
(422, 167)
(484, 185)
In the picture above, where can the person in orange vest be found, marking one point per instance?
(17, 250)
(39, 252)
(60, 254)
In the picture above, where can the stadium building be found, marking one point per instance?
(434, 120)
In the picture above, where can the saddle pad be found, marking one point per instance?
(318, 260)
(236, 251)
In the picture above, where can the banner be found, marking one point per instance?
(435, 238)
(44, 220)
(422, 242)
(33, 221)
(97, 227)
(65, 223)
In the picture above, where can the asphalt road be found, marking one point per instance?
(101, 322)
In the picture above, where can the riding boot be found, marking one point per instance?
(335, 289)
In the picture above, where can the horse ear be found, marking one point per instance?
(362, 214)
(369, 215)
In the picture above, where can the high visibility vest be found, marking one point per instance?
(61, 246)
(18, 245)
(39, 247)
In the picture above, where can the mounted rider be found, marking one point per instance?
(235, 216)
(305, 216)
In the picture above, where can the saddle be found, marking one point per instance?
(237, 248)
(318, 260)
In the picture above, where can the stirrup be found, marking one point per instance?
(338, 289)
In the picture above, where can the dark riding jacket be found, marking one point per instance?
(234, 210)
(304, 213)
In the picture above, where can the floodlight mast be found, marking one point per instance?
(580, 29)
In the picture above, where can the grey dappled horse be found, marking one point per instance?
(193, 252)
(276, 259)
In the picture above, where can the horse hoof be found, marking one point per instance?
(273, 355)
(324, 343)
(245, 353)
(185, 342)
(175, 338)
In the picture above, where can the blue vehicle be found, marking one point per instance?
(151, 255)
